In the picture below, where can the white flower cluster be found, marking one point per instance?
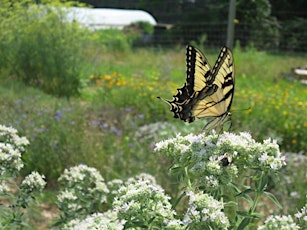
(302, 216)
(34, 182)
(85, 190)
(10, 135)
(214, 159)
(204, 211)
(151, 131)
(67, 200)
(270, 157)
(114, 185)
(106, 220)
(142, 201)
(280, 223)
(11, 148)
(3, 187)
(84, 179)
(142, 177)
(175, 225)
(160, 130)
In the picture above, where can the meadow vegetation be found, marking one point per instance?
(89, 98)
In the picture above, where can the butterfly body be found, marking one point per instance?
(207, 92)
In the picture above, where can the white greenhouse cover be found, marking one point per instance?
(98, 18)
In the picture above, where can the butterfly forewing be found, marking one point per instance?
(198, 69)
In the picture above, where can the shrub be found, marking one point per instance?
(293, 34)
(41, 47)
(111, 39)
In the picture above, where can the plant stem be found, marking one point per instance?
(188, 178)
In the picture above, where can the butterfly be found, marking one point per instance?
(208, 92)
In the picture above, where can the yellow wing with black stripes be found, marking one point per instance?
(207, 92)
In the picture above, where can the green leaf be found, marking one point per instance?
(244, 223)
(231, 204)
(235, 187)
(243, 193)
(178, 200)
(246, 214)
(273, 198)
(245, 196)
(243, 213)
(264, 182)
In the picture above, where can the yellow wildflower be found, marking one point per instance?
(294, 141)
(107, 77)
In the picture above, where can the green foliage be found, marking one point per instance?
(41, 48)
(121, 40)
(293, 34)
(139, 32)
(257, 26)
(139, 28)
(265, 103)
(111, 40)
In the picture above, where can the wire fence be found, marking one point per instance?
(285, 37)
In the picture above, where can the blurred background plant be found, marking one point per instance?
(40, 48)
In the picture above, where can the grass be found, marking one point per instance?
(113, 125)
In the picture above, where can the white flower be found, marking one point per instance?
(34, 181)
(175, 224)
(191, 196)
(263, 158)
(140, 200)
(244, 139)
(194, 138)
(279, 222)
(12, 147)
(3, 187)
(205, 210)
(212, 181)
(106, 220)
(161, 145)
(66, 195)
(302, 214)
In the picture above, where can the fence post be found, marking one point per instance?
(231, 24)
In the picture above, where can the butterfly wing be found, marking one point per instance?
(197, 85)
(199, 72)
(218, 104)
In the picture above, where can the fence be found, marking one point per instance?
(285, 37)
